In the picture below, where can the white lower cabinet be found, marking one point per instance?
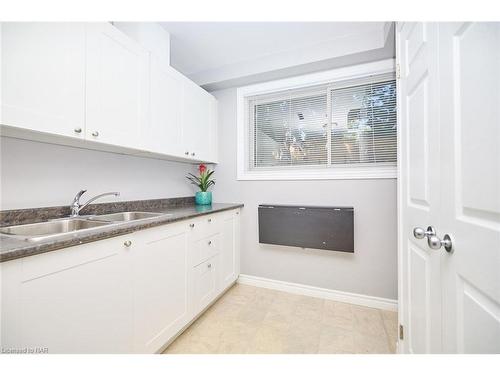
(75, 300)
(161, 274)
(128, 294)
(205, 283)
(230, 250)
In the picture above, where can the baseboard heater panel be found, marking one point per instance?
(315, 227)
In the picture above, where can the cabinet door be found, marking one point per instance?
(161, 286)
(213, 131)
(195, 121)
(206, 284)
(116, 90)
(75, 300)
(229, 253)
(164, 132)
(43, 77)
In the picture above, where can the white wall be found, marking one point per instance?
(371, 270)
(37, 174)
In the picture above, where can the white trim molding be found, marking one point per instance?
(314, 79)
(312, 291)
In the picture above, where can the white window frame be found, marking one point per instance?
(337, 172)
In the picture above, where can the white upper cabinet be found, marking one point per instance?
(196, 110)
(116, 87)
(92, 82)
(163, 134)
(212, 130)
(43, 77)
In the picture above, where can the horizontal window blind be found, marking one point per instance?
(346, 123)
(363, 120)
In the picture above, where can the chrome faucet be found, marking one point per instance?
(76, 207)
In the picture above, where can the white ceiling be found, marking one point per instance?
(215, 54)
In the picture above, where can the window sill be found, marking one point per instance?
(320, 174)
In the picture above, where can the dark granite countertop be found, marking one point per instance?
(178, 208)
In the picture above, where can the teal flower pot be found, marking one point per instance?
(203, 197)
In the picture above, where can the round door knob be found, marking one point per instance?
(127, 243)
(78, 130)
(95, 134)
(435, 243)
(420, 233)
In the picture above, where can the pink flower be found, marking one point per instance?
(202, 168)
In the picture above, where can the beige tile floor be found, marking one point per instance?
(255, 320)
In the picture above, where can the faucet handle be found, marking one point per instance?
(78, 195)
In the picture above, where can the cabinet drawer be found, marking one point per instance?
(205, 283)
(205, 226)
(206, 248)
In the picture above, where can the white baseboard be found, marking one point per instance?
(312, 291)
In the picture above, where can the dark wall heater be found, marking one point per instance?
(327, 228)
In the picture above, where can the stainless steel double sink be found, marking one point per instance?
(74, 225)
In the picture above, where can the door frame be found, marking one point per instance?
(400, 345)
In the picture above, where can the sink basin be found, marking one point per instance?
(128, 216)
(40, 231)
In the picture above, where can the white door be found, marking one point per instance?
(43, 77)
(196, 117)
(161, 274)
(117, 86)
(164, 133)
(450, 295)
(470, 185)
(420, 310)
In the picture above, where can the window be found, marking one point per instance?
(345, 128)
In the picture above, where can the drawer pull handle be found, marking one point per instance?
(78, 130)
(95, 134)
(127, 243)
(209, 242)
(209, 265)
(191, 225)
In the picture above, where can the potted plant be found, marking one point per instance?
(203, 181)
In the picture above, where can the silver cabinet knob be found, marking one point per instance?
(209, 265)
(209, 220)
(95, 134)
(186, 153)
(78, 130)
(420, 233)
(127, 243)
(193, 154)
(209, 243)
(191, 225)
(435, 243)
